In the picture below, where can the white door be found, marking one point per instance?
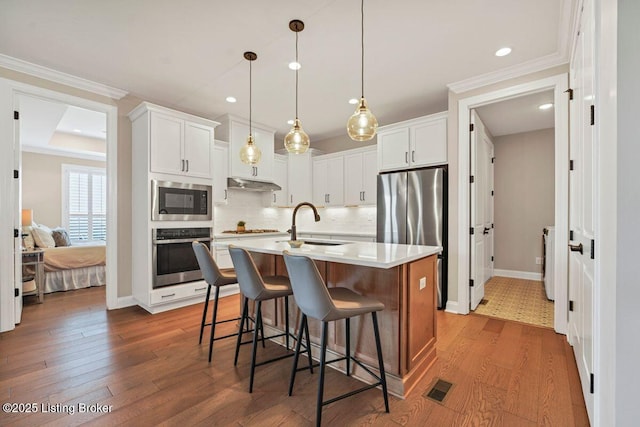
(17, 208)
(481, 210)
(581, 205)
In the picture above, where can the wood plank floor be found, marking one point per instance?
(150, 370)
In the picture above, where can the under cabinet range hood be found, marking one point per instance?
(251, 184)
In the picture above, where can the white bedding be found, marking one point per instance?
(74, 267)
(77, 278)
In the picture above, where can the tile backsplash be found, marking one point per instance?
(250, 207)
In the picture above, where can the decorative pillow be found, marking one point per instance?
(42, 237)
(27, 238)
(61, 237)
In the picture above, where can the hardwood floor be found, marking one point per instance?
(149, 369)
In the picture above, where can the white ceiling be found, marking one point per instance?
(518, 115)
(188, 55)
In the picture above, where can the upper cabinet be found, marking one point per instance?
(299, 178)
(360, 174)
(221, 168)
(236, 130)
(413, 143)
(178, 143)
(328, 180)
(280, 173)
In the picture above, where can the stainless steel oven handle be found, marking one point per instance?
(165, 242)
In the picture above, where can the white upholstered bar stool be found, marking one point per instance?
(258, 288)
(317, 301)
(216, 278)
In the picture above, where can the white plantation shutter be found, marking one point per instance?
(84, 202)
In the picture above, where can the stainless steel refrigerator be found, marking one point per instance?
(412, 209)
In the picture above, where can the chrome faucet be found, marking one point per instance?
(294, 235)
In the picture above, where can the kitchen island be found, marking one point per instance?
(402, 277)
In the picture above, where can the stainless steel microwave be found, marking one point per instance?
(180, 201)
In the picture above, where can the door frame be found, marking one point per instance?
(558, 83)
(13, 90)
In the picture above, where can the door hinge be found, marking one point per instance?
(471, 282)
(492, 226)
(492, 258)
(570, 165)
(592, 384)
(16, 233)
(570, 305)
(471, 127)
(593, 249)
(593, 115)
(16, 115)
(16, 174)
(472, 179)
(570, 92)
(16, 292)
(570, 234)
(493, 159)
(492, 192)
(471, 230)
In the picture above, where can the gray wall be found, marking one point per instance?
(524, 197)
(628, 212)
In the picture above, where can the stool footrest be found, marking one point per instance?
(351, 393)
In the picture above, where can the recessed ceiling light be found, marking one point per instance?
(545, 106)
(504, 51)
(231, 99)
(294, 65)
(289, 122)
(353, 101)
(77, 130)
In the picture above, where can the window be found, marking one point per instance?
(84, 202)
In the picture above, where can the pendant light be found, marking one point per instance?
(362, 125)
(250, 153)
(296, 141)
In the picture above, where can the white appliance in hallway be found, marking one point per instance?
(548, 236)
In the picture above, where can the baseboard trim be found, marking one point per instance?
(526, 275)
(125, 302)
(452, 307)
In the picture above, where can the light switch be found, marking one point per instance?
(423, 283)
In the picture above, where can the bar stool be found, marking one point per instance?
(317, 301)
(257, 288)
(217, 278)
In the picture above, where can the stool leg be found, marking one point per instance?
(323, 353)
(383, 378)
(261, 328)
(306, 333)
(245, 309)
(286, 320)
(213, 322)
(255, 345)
(296, 355)
(204, 312)
(348, 343)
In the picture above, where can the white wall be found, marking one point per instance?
(248, 206)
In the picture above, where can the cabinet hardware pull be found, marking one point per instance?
(182, 167)
(274, 197)
(576, 248)
(413, 156)
(406, 157)
(225, 194)
(187, 161)
(292, 198)
(169, 295)
(328, 198)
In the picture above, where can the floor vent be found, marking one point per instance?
(484, 301)
(439, 391)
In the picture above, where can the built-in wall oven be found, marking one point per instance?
(180, 201)
(174, 261)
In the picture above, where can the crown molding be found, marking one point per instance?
(60, 77)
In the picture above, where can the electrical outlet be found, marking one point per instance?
(538, 260)
(423, 283)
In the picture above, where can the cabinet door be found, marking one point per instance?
(369, 178)
(220, 173)
(299, 178)
(279, 198)
(238, 138)
(393, 149)
(353, 179)
(335, 181)
(198, 146)
(166, 144)
(264, 170)
(429, 143)
(320, 191)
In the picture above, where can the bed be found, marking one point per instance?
(74, 267)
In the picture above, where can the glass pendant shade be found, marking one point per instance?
(250, 153)
(297, 140)
(362, 125)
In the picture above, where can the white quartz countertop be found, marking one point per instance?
(379, 255)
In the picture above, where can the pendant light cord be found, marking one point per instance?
(250, 93)
(362, 44)
(297, 68)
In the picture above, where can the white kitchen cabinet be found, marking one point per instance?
(328, 180)
(299, 171)
(413, 143)
(236, 130)
(280, 172)
(360, 174)
(220, 172)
